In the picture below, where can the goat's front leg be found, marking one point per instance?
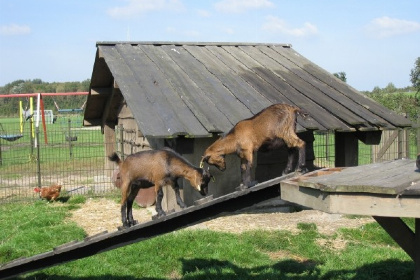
(130, 219)
(246, 165)
(159, 197)
(178, 195)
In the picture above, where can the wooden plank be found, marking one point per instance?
(151, 86)
(413, 189)
(108, 241)
(280, 76)
(244, 92)
(356, 108)
(255, 74)
(205, 111)
(417, 250)
(210, 86)
(400, 232)
(179, 118)
(389, 178)
(351, 203)
(149, 123)
(349, 92)
(264, 90)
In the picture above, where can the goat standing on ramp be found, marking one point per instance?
(271, 128)
(156, 168)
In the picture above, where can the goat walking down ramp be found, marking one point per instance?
(156, 168)
(271, 128)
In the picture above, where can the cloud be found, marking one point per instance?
(14, 29)
(385, 27)
(137, 7)
(238, 6)
(277, 25)
(203, 13)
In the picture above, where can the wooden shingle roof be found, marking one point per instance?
(196, 89)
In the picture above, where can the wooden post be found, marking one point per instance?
(346, 149)
(417, 250)
(109, 134)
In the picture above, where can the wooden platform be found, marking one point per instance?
(387, 191)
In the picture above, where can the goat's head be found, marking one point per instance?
(217, 160)
(203, 184)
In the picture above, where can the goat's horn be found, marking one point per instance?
(202, 162)
(199, 188)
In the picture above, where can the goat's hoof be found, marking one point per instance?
(133, 223)
(252, 183)
(158, 216)
(241, 187)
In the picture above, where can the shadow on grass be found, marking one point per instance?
(200, 269)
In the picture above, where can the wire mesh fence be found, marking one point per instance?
(64, 153)
(73, 156)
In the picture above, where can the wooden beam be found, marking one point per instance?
(400, 232)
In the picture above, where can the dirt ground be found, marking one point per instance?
(98, 215)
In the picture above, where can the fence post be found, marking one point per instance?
(418, 135)
(400, 143)
(122, 141)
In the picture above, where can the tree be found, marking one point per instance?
(415, 75)
(390, 88)
(341, 76)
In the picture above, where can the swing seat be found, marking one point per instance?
(11, 137)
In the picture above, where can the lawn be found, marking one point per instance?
(364, 253)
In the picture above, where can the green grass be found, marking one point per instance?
(367, 253)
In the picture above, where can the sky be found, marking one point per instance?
(374, 42)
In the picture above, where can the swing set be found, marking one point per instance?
(27, 114)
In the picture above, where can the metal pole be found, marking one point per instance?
(69, 139)
(38, 157)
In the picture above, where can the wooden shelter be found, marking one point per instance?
(183, 95)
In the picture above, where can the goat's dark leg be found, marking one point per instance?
(246, 174)
(134, 190)
(301, 165)
(178, 196)
(159, 197)
(289, 165)
(124, 214)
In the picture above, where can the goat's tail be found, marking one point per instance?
(304, 114)
(114, 157)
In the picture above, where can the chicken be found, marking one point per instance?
(49, 193)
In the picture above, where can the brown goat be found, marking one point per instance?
(271, 128)
(156, 168)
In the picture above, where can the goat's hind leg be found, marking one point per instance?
(301, 165)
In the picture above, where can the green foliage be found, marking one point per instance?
(341, 76)
(415, 75)
(399, 102)
(10, 106)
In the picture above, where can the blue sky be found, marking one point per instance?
(374, 42)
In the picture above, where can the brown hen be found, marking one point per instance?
(49, 193)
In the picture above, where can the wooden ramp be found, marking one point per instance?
(108, 241)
